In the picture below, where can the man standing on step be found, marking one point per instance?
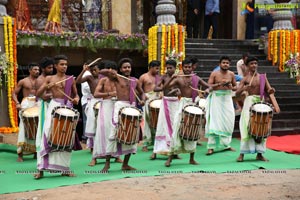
(220, 114)
(255, 85)
(193, 18)
(212, 11)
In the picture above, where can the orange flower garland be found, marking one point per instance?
(10, 52)
(282, 43)
(172, 38)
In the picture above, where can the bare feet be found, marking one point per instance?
(38, 175)
(168, 162)
(34, 155)
(209, 152)
(69, 174)
(260, 157)
(118, 160)
(20, 158)
(105, 168)
(93, 162)
(153, 156)
(229, 149)
(145, 149)
(240, 158)
(193, 162)
(177, 157)
(127, 167)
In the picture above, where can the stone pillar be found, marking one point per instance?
(282, 18)
(165, 11)
(2, 7)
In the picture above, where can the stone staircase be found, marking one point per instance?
(287, 92)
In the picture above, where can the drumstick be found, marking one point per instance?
(274, 102)
(197, 89)
(96, 60)
(252, 78)
(125, 77)
(65, 94)
(64, 80)
(136, 96)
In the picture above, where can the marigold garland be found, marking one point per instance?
(10, 52)
(282, 43)
(172, 38)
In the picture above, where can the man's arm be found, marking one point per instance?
(76, 98)
(80, 78)
(16, 92)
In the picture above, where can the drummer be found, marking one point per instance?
(127, 87)
(188, 84)
(167, 111)
(148, 82)
(252, 83)
(92, 80)
(64, 92)
(28, 87)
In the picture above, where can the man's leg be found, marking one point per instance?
(125, 165)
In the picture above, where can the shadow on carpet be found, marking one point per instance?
(18, 177)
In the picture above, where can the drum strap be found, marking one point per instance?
(262, 81)
(133, 84)
(195, 85)
(68, 88)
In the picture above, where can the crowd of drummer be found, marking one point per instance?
(178, 109)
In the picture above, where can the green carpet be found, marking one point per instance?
(17, 177)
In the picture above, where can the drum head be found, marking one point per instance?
(131, 111)
(97, 105)
(202, 103)
(155, 103)
(193, 110)
(65, 112)
(262, 107)
(31, 112)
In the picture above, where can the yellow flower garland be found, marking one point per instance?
(10, 45)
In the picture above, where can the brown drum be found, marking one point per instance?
(30, 118)
(129, 125)
(96, 108)
(63, 125)
(192, 119)
(261, 119)
(154, 106)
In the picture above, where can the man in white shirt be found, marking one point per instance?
(241, 66)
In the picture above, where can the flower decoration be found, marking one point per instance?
(175, 56)
(292, 65)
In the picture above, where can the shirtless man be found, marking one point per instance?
(251, 83)
(148, 82)
(127, 87)
(188, 84)
(167, 112)
(64, 93)
(92, 80)
(220, 115)
(28, 87)
(105, 90)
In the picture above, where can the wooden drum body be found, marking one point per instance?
(63, 125)
(154, 106)
(192, 120)
(129, 125)
(30, 118)
(261, 119)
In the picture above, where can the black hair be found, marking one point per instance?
(193, 59)
(31, 65)
(171, 62)
(124, 60)
(46, 61)
(252, 58)
(186, 61)
(224, 58)
(59, 57)
(154, 63)
(111, 65)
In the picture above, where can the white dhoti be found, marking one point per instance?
(248, 144)
(165, 124)
(113, 147)
(148, 132)
(42, 114)
(25, 145)
(220, 119)
(179, 145)
(90, 128)
(104, 128)
(48, 159)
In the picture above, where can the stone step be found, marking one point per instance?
(262, 69)
(233, 57)
(288, 93)
(203, 73)
(221, 45)
(287, 100)
(222, 41)
(289, 107)
(215, 62)
(219, 51)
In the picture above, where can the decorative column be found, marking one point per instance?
(3, 8)
(282, 16)
(166, 40)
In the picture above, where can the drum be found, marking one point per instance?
(129, 125)
(261, 119)
(30, 118)
(62, 130)
(96, 108)
(154, 106)
(191, 123)
(202, 103)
